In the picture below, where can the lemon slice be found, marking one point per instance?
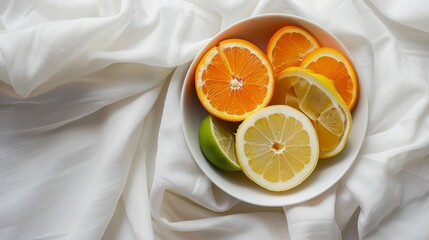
(277, 147)
(217, 142)
(315, 95)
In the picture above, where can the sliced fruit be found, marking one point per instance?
(288, 46)
(277, 147)
(234, 79)
(217, 142)
(334, 65)
(315, 95)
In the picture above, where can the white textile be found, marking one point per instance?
(91, 144)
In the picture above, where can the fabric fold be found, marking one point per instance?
(314, 219)
(91, 141)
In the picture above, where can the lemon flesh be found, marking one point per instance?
(217, 142)
(315, 95)
(277, 147)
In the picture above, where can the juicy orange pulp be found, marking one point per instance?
(288, 46)
(334, 65)
(234, 79)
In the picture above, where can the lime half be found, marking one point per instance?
(217, 142)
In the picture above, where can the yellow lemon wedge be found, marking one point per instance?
(315, 95)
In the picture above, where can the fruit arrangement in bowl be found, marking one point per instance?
(266, 102)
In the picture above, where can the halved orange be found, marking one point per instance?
(234, 79)
(334, 65)
(288, 46)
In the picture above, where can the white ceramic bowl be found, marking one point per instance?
(258, 30)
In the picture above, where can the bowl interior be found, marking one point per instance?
(258, 30)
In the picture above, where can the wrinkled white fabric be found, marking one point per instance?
(91, 145)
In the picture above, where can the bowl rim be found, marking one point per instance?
(210, 42)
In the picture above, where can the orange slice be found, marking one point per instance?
(288, 46)
(334, 65)
(234, 79)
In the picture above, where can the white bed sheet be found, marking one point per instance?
(91, 145)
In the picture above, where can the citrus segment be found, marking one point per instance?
(217, 142)
(334, 65)
(277, 147)
(234, 79)
(315, 95)
(288, 46)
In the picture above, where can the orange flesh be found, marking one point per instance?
(332, 69)
(288, 46)
(334, 65)
(236, 81)
(289, 51)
